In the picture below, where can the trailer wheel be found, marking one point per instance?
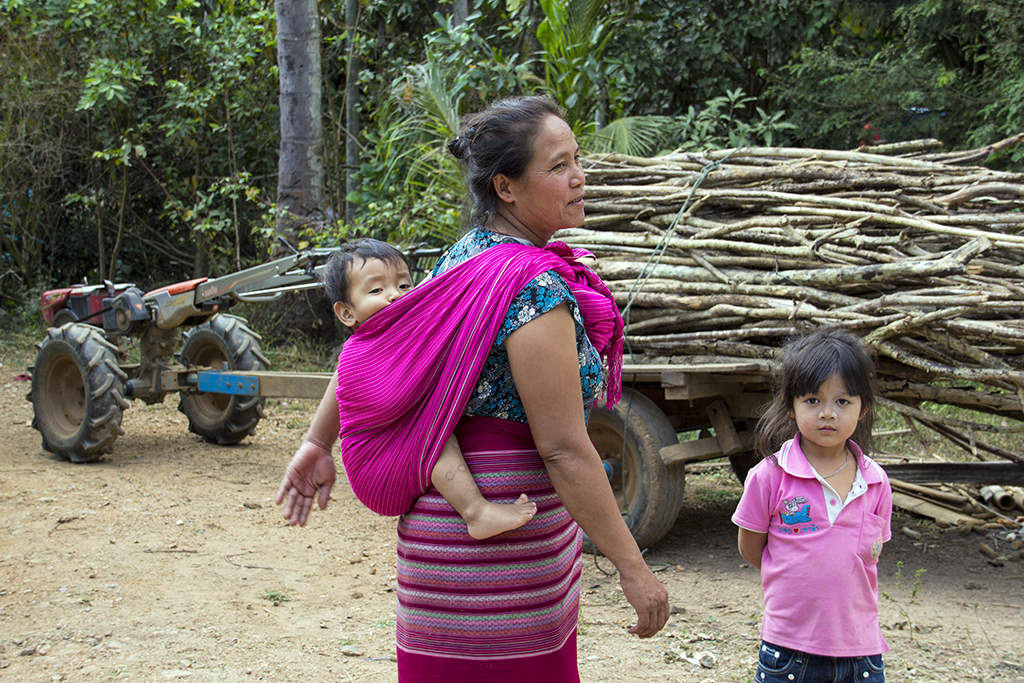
(77, 393)
(222, 418)
(649, 493)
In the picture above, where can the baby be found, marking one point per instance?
(362, 278)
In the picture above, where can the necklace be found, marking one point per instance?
(829, 476)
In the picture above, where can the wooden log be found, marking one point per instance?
(934, 511)
(947, 497)
(1001, 473)
(745, 259)
(826, 155)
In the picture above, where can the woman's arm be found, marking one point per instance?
(311, 469)
(752, 545)
(545, 368)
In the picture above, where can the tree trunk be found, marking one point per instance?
(351, 109)
(300, 171)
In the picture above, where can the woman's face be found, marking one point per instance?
(549, 195)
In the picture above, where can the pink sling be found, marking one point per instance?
(406, 374)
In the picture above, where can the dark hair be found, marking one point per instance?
(807, 363)
(334, 275)
(500, 140)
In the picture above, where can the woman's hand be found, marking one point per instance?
(310, 474)
(648, 597)
(545, 367)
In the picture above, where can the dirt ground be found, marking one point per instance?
(167, 560)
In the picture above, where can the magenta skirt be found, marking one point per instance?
(487, 611)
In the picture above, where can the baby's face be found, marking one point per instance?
(373, 285)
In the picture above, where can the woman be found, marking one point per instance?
(491, 610)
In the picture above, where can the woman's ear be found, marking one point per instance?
(345, 314)
(503, 187)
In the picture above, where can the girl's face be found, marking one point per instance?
(827, 417)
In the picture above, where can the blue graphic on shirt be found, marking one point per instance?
(799, 511)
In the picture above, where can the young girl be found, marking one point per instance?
(813, 517)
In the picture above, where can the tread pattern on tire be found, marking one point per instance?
(103, 381)
(243, 413)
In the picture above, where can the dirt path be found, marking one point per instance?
(167, 560)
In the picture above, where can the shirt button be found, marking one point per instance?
(865, 674)
(791, 677)
(832, 501)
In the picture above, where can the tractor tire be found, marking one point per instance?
(222, 418)
(77, 393)
(63, 317)
(649, 493)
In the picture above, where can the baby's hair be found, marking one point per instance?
(335, 275)
(807, 363)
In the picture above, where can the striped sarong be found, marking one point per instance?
(500, 609)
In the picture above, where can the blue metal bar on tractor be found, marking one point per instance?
(262, 383)
(214, 382)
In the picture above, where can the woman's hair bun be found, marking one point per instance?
(460, 146)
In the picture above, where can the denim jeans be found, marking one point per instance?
(781, 665)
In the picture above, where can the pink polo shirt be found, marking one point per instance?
(820, 578)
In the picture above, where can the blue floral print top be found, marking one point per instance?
(495, 394)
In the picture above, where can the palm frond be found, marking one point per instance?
(633, 135)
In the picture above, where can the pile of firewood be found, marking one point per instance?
(729, 253)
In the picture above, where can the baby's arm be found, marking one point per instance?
(752, 545)
(453, 480)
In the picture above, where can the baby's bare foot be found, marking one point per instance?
(490, 519)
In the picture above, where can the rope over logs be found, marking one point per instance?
(919, 254)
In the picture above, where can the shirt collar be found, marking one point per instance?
(792, 460)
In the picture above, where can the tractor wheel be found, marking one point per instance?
(649, 493)
(62, 317)
(77, 393)
(222, 418)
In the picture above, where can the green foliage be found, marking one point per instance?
(911, 69)
(136, 108)
(682, 53)
(718, 125)
(574, 35)
(912, 592)
(412, 187)
(138, 140)
(275, 596)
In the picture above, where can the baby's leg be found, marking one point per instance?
(452, 478)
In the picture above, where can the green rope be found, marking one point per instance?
(659, 250)
(638, 285)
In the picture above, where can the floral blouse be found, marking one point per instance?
(495, 394)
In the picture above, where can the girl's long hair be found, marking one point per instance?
(807, 362)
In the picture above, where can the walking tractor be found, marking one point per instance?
(190, 345)
(82, 382)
